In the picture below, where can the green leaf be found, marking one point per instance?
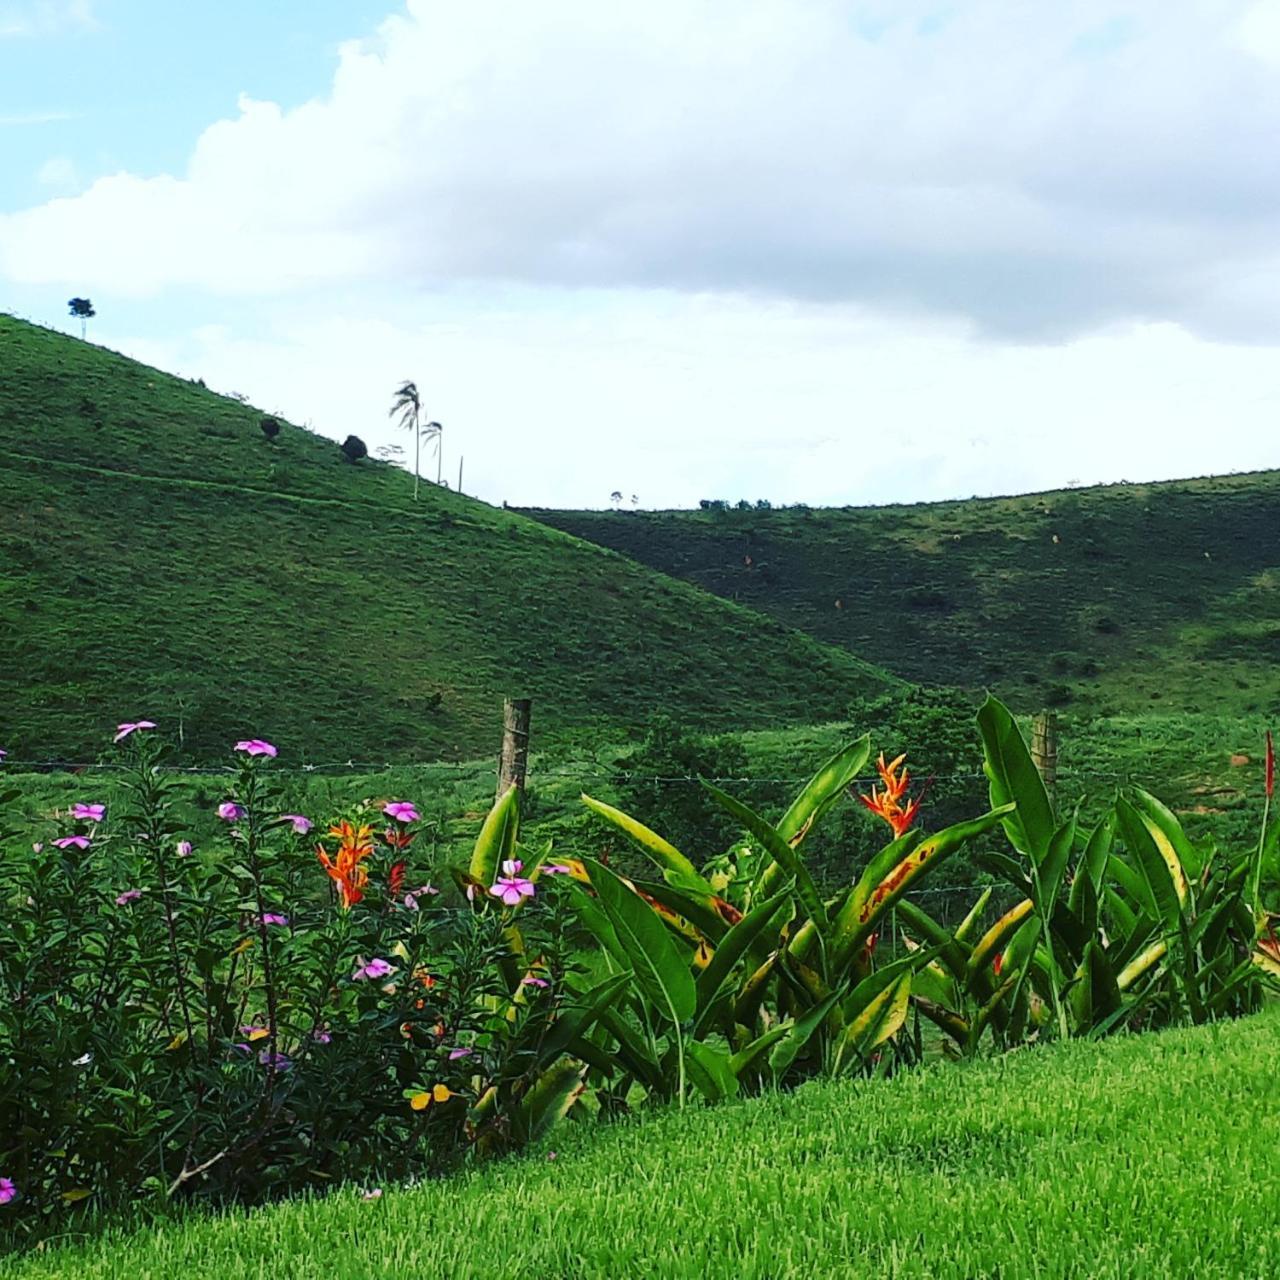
(497, 837)
(1162, 818)
(711, 1071)
(824, 788)
(880, 1020)
(799, 1033)
(779, 850)
(1014, 778)
(735, 944)
(652, 845)
(750, 1054)
(1156, 861)
(661, 973)
(577, 1021)
(556, 1090)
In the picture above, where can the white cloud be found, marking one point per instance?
(45, 17)
(1038, 171)
(58, 172)
(559, 400)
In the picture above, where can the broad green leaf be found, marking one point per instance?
(969, 925)
(954, 953)
(597, 921)
(497, 837)
(1054, 867)
(880, 1020)
(577, 1020)
(733, 946)
(857, 918)
(825, 788)
(555, 1091)
(1014, 778)
(779, 850)
(1188, 855)
(1156, 860)
(1096, 995)
(661, 973)
(750, 1054)
(711, 1071)
(652, 845)
(994, 940)
(799, 1034)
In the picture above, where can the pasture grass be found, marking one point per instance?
(1121, 598)
(160, 557)
(1141, 1156)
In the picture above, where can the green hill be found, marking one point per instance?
(160, 556)
(1115, 598)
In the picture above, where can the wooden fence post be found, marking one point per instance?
(513, 763)
(1044, 747)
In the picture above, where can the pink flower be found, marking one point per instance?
(401, 811)
(300, 824)
(88, 812)
(460, 1052)
(376, 968)
(128, 896)
(530, 980)
(7, 1190)
(274, 917)
(131, 726)
(73, 842)
(229, 812)
(255, 747)
(321, 1036)
(278, 1060)
(375, 1194)
(411, 898)
(38, 847)
(184, 848)
(557, 869)
(511, 887)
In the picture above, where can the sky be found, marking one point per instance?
(821, 251)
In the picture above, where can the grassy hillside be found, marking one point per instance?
(1143, 1156)
(160, 557)
(1110, 599)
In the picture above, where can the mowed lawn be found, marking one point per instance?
(1146, 1156)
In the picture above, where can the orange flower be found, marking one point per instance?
(888, 804)
(354, 846)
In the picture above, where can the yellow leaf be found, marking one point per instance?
(420, 1101)
(258, 1033)
(79, 1193)
(401, 952)
(441, 1093)
(178, 1041)
(242, 947)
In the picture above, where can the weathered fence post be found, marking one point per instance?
(513, 763)
(1044, 747)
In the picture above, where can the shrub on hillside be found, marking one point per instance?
(354, 449)
(270, 428)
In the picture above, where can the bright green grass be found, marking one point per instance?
(159, 557)
(1127, 597)
(1145, 1156)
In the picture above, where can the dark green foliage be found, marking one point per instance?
(270, 428)
(658, 783)
(353, 449)
(1106, 596)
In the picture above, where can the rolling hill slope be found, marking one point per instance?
(1115, 598)
(159, 556)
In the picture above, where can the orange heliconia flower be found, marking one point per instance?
(355, 844)
(888, 803)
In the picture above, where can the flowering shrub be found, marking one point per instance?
(272, 1013)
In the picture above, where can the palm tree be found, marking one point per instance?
(408, 406)
(434, 431)
(83, 311)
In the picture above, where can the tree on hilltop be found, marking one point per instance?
(83, 311)
(406, 407)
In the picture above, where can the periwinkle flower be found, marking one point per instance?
(73, 842)
(301, 825)
(228, 811)
(401, 811)
(131, 726)
(88, 812)
(376, 968)
(128, 896)
(256, 747)
(511, 887)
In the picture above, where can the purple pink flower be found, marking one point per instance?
(532, 980)
(557, 869)
(38, 847)
(255, 747)
(321, 1036)
(411, 898)
(128, 896)
(376, 968)
(278, 1060)
(300, 824)
(511, 887)
(73, 842)
(375, 1194)
(401, 811)
(131, 726)
(460, 1052)
(184, 848)
(274, 917)
(7, 1190)
(88, 812)
(229, 811)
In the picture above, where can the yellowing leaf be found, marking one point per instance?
(401, 952)
(178, 1041)
(78, 1193)
(258, 1033)
(242, 947)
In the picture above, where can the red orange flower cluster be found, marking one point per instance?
(355, 844)
(892, 804)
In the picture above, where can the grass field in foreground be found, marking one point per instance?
(1145, 1156)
